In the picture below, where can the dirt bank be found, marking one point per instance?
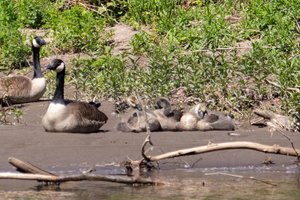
(52, 151)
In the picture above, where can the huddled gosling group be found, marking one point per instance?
(163, 118)
(81, 117)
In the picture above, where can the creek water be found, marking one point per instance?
(185, 183)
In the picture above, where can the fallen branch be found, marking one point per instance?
(280, 121)
(148, 136)
(32, 172)
(275, 149)
(291, 141)
(295, 18)
(279, 86)
(243, 177)
(26, 167)
(221, 49)
(81, 177)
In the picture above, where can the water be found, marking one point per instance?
(185, 184)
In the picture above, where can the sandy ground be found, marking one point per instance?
(62, 151)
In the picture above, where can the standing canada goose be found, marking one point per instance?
(21, 89)
(168, 118)
(135, 120)
(68, 116)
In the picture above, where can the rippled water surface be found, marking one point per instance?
(184, 184)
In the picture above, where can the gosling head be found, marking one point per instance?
(200, 109)
(38, 42)
(164, 104)
(134, 102)
(56, 65)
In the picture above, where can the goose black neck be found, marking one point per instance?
(36, 63)
(59, 91)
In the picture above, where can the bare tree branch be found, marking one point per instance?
(38, 174)
(148, 137)
(81, 177)
(279, 86)
(220, 49)
(26, 167)
(244, 177)
(275, 149)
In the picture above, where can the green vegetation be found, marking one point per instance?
(189, 44)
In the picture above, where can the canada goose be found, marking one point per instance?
(212, 120)
(167, 117)
(199, 118)
(21, 89)
(135, 120)
(68, 116)
(188, 122)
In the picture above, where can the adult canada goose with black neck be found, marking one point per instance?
(21, 89)
(70, 116)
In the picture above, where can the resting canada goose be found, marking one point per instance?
(198, 118)
(21, 89)
(167, 117)
(68, 116)
(135, 120)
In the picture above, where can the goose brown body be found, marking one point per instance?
(21, 89)
(69, 116)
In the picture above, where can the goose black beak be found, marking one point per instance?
(50, 67)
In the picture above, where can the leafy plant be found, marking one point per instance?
(32, 13)
(76, 30)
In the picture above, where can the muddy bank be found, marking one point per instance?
(29, 142)
(66, 153)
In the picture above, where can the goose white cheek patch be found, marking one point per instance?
(60, 67)
(35, 44)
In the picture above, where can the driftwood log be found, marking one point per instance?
(31, 172)
(275, 149)
(278, 121)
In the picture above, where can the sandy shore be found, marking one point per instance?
(52, 151)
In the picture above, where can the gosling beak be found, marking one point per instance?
(202, 113)
(139, 107)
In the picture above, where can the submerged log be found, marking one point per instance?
(26, 167)
(81, 177)
(42, 175)
(31, 172)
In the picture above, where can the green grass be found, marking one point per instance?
(170, 36)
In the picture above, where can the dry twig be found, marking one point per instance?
(243, 177)
(279, 86)
(220, 49)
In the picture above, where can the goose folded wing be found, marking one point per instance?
(87, 111)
